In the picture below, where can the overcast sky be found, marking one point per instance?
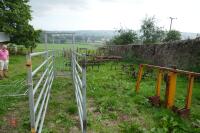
(112, 14)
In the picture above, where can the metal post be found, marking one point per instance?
(84, 94)
(158, 83)
(46, 41)
(54, 69)
(31, 97)
(171, 89)
(189, 92)
(139, 78)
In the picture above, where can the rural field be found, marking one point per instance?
(41, 47)
(112, 104)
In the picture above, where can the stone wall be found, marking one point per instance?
(183, 54)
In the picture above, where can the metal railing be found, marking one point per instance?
(39, 91)
(79, 80)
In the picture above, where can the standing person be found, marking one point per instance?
(4, 60)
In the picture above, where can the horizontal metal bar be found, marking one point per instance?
(41, 65)
(15, 95)
(79, 82)
(79, 67)
(80, 112)
(45, 109)
(40, 95)
(42, 105)
(172, 70)
(44, 113)
(41, 92)
(79, 92)
(79, 79)
(38, 53)
(39, 82)
(79, 106)
(81, 119)
(77, 53)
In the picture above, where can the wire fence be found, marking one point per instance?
(39, 91)
(79, 80)
(15, 88)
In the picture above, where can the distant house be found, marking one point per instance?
(4, 37)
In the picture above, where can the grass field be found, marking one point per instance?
(112, 104)
(41, 47)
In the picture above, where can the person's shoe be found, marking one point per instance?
(5, 73)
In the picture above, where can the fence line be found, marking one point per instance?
(40, 92)
(14, 89)
(80, 86)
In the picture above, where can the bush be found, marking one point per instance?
(125, 37)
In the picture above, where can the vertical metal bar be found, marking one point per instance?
(46, 47)
(46, 37)
(189, 92)
(171, 89)
(139, 78)
(53, 59)
(31, 97)
(63, 59)
(158, 83)
(84, 93)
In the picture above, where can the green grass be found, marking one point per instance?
(112, 104)
(41, 47)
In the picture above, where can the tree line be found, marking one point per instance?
(149, 33)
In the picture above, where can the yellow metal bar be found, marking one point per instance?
(171, 89)
(33, 130)
(158, 83)
(189, 92)
(139, 78)
(172, 70)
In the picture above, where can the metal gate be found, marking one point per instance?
(62, 62)
(39, 86)
(79, 79)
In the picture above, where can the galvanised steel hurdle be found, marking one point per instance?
(79, 80)
(39, 92)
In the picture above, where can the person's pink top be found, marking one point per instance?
(4, 54)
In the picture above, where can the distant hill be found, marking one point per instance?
(96, 36)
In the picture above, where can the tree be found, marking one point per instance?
(150, 32)
(125, 37)
(15, 16)
(173, 35)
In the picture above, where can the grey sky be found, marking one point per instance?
(111, 14)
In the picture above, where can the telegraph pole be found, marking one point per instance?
(171, 20)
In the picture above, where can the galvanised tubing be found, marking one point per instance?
(43, 102)
(84, 94)
(40, 95)
(42, 105)
(39, 82)
(78, 54)
(79, 91)
(38, 68)
(78, 66)
(79, 110)
(80, 87)
(78, 77)
(48, 75)
(30, 90)
(38, 53)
